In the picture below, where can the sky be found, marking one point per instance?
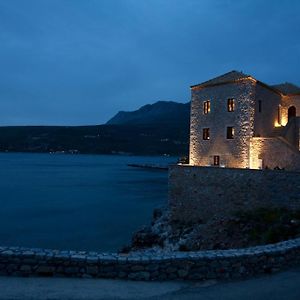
(79, 62)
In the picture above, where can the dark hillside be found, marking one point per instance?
(161, 128)
(161, 112)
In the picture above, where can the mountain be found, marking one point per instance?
(160, 128)
(161, 112)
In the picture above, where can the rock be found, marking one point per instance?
(145, 238)
(152, 267)
(92, 259)
(28, 253)
(122, 274)
(45, 270)
(93, 270)
(137, 268)
(182, 273)
(72, 270)
(11, 268)
(78, 257)
(157, 213)
(125, 249)
(8, 253)
(25, 268)
(87, 276)
(139, 276)
(171, 269)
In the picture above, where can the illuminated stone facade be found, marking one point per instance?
(240, 122)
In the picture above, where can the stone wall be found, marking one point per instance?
(220, 264)
(291, 132)
(266, 120)
(272, 153)
(286, 102)
(248, 121)
(202, 193)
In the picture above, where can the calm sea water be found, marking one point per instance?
(79, 202)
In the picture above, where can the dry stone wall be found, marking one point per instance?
(221, 264)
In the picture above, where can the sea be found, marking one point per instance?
(77, 202)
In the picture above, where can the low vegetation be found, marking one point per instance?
(267, 225)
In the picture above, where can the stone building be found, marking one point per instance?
(240, 125)
(238, 121)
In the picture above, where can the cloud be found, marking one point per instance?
(79, 62)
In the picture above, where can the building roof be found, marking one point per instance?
(287, 88)
(227, 77)
(235, 76)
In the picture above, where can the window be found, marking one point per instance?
(216, 160)
(259, 105)
(206, 133)
(206, 107)
(230, 133)
(230, 104)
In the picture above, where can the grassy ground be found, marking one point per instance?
(269, 225)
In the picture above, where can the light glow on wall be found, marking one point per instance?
(255, 153)
(284, 119)
(276, 124)
(286, 100)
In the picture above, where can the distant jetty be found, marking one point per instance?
(149, 166)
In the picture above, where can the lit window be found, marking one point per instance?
(216, 160)
(206, 133)
(230, 133)
(206, 107)
(230, 104)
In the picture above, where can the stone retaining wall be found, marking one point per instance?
(220, 264)
(273, 152)
(205, 193)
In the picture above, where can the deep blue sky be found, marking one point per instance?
(80, 61)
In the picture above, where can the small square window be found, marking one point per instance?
(230, 105)
(216, 160)
(230, 133)
(206, 107)
(206, 133)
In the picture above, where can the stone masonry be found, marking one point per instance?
(220, 264)
(229, 111)
(235, 152)
(204, 193)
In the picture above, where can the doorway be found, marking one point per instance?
(291, 112)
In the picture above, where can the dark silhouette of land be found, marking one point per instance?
(161, 128)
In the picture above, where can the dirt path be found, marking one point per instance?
(285, 285)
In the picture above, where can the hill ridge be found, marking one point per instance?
(158, 112)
